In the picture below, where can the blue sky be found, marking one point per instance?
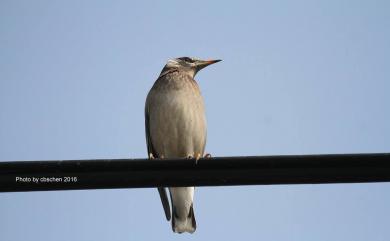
(297, 77)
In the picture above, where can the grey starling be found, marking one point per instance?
(175, 125)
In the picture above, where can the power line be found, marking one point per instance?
(219, 171)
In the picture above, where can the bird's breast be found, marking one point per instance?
(177, 121)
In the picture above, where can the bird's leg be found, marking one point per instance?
(189, 156)
(198, 156)
(151, 157)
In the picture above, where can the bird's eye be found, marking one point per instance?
(186, 59)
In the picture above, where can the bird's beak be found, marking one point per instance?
(200, 64)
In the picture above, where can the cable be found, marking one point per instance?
(219, 171)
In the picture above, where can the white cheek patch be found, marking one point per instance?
(172, 63)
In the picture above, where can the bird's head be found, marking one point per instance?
(189, 65)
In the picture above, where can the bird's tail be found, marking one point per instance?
(183, 224)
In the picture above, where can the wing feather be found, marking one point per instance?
(161, 190)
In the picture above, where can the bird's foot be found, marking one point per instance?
(207, 155)
(151, 157)
(196, 158)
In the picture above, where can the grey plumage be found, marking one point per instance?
(175, 125)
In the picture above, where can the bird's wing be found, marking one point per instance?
(164, 200)
(161, 190)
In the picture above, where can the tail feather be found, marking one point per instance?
(183, 224)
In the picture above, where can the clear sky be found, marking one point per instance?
(297, 77)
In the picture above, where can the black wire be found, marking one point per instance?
(220, 171)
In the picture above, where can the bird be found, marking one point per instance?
(175, 127)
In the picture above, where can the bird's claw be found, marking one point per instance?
(208, 155)
(198, 156)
